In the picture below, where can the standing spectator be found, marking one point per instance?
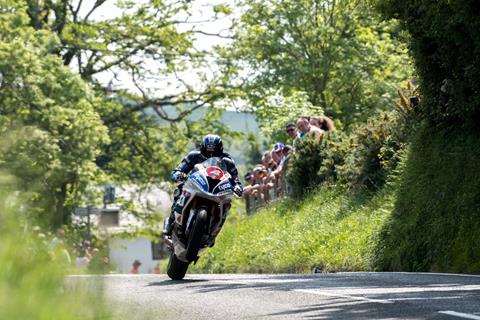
(136, 264)
(253, 187)
(157, 269)
(269, 179)
(280, 151)
(324, 123)
(303, 124)
(277, 153)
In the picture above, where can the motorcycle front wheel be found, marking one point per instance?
(195, 238)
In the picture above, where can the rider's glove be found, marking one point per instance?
(180, 176)
(238, 190)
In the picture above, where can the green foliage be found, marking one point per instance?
(59, 136)
(275, 111)
(444, 41)
(374, 151)
(51, 133)
(303, 166)
(435, 223)
(254, 155)
(364, 159)
(329, 229)
(32, 284)
(138, 151)
(338, 53)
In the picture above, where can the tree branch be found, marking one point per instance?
(97, 4)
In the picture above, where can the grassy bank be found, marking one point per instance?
(436, 221)
(331, 230)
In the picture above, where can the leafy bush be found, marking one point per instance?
(363, 159)
(303, 166)
(364, 166)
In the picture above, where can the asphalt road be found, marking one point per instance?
(282, 296)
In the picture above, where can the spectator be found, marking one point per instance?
(83, 259)
(85, 255)
(268, 180)
(280, 152)
(303, 124)
(277, 153)
(264, 178)
(252, 187)
(157, 269)
(57, 250)
(136, 264)
(249, 181)
(293, 133)
(291, 130)
(324, 123)
(57, 240)
(268, 162)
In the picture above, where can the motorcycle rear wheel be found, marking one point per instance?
(176, 268)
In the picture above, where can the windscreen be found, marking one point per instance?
(215, 162)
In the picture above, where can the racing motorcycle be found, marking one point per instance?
(205, 198)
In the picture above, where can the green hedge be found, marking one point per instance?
(445, 43)
(436, 222)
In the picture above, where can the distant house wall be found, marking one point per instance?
(124, 252)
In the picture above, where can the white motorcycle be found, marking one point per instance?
(205, 198)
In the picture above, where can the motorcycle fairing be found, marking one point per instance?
(199, 180)
(223, 187)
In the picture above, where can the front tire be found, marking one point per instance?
(196, 235)
(176, 268)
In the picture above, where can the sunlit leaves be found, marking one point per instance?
(337, 52)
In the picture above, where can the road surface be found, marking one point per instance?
(317, 296)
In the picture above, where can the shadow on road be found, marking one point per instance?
(175, 282)
(342, 294)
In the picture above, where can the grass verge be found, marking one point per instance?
(330, 229)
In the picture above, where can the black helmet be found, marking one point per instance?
(211, 146)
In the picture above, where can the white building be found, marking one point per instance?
(113, 222)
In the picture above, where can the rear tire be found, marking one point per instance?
(195, 239)
(176, 268)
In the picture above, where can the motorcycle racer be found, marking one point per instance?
(211, 146)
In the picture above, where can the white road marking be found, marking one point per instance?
(461, 315)
(261, 281)
(413, 273)
(330, 294)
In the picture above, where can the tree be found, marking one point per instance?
(338, 52)
(142, 43)
(50, 131)
(146, 41)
